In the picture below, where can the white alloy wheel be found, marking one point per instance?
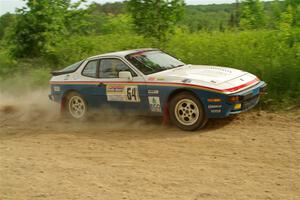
(186, 112)
(77, 107)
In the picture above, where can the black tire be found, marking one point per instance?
(75, 110)
(185, 117)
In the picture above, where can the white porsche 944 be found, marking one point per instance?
(151, 82)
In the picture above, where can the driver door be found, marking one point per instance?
(121, 93)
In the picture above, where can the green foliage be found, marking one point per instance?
(115, 8)
(155, 18)
(42, 24)
(107, 18)
(6, 22)
(293, 8)
(285, 22)
(274, 15)
(7, 63)
(198, 18)
(263, 53)
(26, 80)
(79, 47)
(253, 16)
(235, 15)
(118, 24)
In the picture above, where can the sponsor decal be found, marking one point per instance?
(154, 78)
(56, 88)
(160, 78)
(151, 78)
(153, 92)
(214, 106)
(115, 88)
(214, 100)
(125, 93)
(154, 104)
(216, 111)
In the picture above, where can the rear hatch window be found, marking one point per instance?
(69, 69)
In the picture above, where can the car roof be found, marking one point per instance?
(123, 53)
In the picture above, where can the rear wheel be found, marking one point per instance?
(186, 112)
(76, 106)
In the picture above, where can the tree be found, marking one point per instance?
(6, 22)
(155, 18)
(234, 20)
(252, 16)
(286, 19)
(293, 7)
(41, 24)
(275, 14)
(108, 18)
(292, 3)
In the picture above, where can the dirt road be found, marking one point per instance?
(253, 156)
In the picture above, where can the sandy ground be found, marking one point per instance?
(42, 156)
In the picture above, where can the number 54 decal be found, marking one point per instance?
(132, 93)
(125, 93)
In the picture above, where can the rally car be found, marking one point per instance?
(151, 82)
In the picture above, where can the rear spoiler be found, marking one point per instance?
(57, 73)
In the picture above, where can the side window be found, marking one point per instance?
(110, 68)
(90, 69)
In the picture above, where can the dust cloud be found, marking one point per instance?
(33, 108)
(28, 106)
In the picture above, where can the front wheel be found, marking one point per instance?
(186, 112)
(76, 106)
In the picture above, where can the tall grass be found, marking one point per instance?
(263, 53)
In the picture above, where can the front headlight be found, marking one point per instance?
(233, 99)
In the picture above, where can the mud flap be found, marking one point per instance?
(63, 106)
(166, 117)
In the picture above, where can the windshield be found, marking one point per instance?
(150, 62)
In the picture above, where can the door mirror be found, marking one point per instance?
(125, 75)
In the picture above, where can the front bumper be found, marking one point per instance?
(248, 98)
(227, 105)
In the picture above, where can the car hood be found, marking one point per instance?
(215, 77)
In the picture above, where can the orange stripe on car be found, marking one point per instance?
(233, 89)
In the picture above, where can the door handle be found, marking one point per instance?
(101, 85)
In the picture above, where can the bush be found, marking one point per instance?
(79, 47)
(7, 63)
(23, 72)
(263, 53)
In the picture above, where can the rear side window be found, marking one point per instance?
(90, 69)
(110, 68)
